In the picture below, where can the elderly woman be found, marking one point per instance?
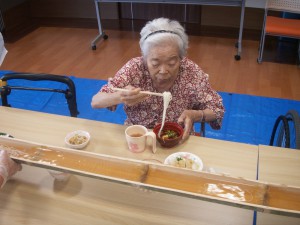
(163, 67)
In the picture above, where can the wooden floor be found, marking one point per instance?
(67, 51)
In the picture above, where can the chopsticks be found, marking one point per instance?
(143, 92)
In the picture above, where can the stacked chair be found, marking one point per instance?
(279, 26)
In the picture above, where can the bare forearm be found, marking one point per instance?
(104, 100)
(129, 97)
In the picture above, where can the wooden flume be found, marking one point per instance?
(232, 191)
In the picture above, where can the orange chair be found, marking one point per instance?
(278, 26)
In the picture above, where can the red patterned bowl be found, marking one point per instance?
(170, 135)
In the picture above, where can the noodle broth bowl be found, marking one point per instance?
(171, 134)
(77, 139)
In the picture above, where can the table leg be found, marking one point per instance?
(101, 32)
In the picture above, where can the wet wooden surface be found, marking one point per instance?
(34, 197)
(281, 166)
(34, 186)
(205, 186)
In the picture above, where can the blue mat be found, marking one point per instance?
(248, 119)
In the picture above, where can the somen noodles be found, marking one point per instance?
(167, 96)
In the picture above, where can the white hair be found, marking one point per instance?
(161, 30)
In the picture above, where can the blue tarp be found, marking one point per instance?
(248, 119)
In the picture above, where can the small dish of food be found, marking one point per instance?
(77, 139)
(59, 175)
(184, 160)
(170, 136)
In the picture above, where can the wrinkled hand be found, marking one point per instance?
(133, 96)
(187, 119)
(8, 167)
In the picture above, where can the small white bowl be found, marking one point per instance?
(59, 176)
(81, 137)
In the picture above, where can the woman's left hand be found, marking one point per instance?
(187, 118)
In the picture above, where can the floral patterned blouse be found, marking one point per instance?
(191, 90)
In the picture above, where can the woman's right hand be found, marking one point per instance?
(133, 96)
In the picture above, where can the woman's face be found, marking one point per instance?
(163, 64)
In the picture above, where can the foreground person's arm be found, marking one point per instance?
(8, 167)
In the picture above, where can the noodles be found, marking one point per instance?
(167, 98)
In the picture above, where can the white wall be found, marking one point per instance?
(256, 3)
